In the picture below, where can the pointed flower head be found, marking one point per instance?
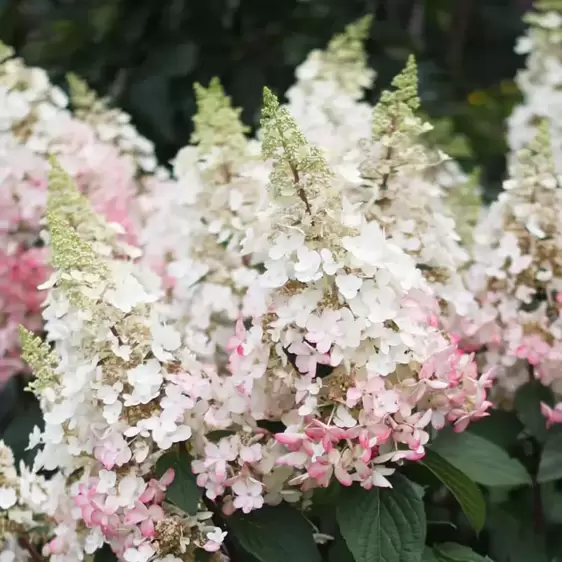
(298, 168)
(42, 360)
(217, 123)
(345, 59)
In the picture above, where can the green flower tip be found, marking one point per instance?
(81, 95)
(270, 104)
(359, 29)
(548, 5)
(217, 122)
(62, 192)
(69, 251)
(40, 358)
(406, 84)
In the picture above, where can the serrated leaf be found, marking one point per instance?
(183, 492)
(550, 467)
(481, 460)
(275, 534)
(466, 492)
(528, 400)
(453, 552)
(383, 524)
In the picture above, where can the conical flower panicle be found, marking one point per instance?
(396, 108)
(517, 272)
(118, 374)
(196, 227)
(348, 323)
(400, 192)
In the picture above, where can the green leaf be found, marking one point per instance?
(500, 427)
(383, 524)
(183, 491)
(275, 534)
(453, 552)
(512, 536)
(528, 400)
(550, 467)
(428, 555)
(481, 460)
(339, 552)
(466, 492)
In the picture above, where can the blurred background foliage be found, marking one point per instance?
(146, 54)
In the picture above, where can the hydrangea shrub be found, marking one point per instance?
(294, 346)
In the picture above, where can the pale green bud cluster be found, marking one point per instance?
(217, 124)
(345, 58)
(42, 360)
(69, 251)
(395, 110)
(395, 144)
(82, 97)
(298, 168)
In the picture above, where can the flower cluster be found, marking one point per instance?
(197, 223)
(105, 156)
(326, 99)
(117, 390)
(286, 322)
(398, 189)
(23, 497)
(517, 273)
(541, 79)
(346, 355)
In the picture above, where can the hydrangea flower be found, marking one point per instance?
(106, 157)
(117, 391)
(197, 223)
(346, 355)
(517, 277)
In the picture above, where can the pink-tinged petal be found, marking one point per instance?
(98, 518)
(167, 477)
(288, 438)
(211, 546)
(318, 470)
(344, 478)
(156, 513)
(148, 495)
(147, 528)
(136, 515)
